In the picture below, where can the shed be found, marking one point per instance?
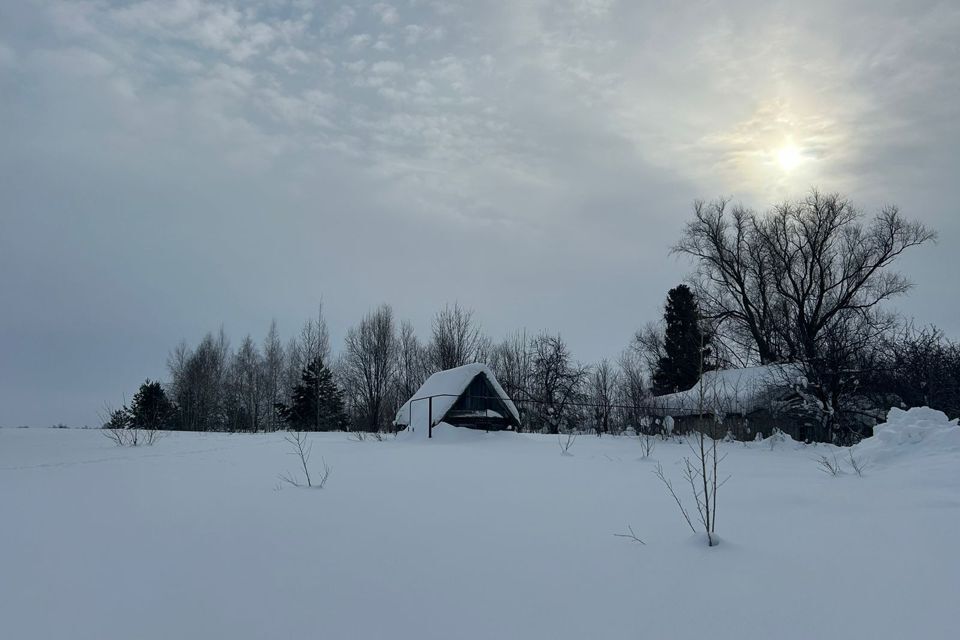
(467, 396)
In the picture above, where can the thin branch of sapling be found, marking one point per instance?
(324, 475)
(630, 536)
(669, 485)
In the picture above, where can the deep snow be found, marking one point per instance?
(466, 536)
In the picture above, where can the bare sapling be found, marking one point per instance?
(647, 444)
(701, 470)
(303, 448)
(566, 443)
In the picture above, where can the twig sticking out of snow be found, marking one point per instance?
(566, 444)
(630, 536)
(857, 465)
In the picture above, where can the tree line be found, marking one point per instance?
(803, 282)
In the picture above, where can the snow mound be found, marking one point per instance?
(920, 430)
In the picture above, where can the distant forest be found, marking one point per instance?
(804, 282)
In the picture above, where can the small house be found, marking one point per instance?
(744, 403)
(467, 396)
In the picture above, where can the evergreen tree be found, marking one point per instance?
(684, 346)
(151, 408)
(118, 419)
(316, 403)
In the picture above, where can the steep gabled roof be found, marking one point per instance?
(733, 391)
(446, 387)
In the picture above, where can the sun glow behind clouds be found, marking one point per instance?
(789, 157)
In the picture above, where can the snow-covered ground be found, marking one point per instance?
(483, 536)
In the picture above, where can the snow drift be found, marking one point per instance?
(920, 430)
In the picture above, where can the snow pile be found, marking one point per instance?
(920, 430)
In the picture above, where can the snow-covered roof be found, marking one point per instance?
(733, 390)
(446, 387)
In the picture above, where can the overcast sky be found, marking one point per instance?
(168, 166)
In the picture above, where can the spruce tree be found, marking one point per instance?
(151, 408)
(684, 346)
(316, 403)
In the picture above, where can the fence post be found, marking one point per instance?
(430, 417)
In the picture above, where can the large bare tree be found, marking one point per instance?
(603, 388)
(457, 339)
(773, 283)
(412, 362)
(273, 376)
(198, 382)
(247, 386)
(556, 383)
(368, 368)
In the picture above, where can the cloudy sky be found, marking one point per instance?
(168, 166)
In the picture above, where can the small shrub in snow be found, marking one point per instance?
(829, 466)
(856, 464)
(132, 436)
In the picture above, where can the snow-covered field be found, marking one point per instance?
(483, 536)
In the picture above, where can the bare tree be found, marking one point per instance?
(368, 368)
(457, 339)
(412, 366)
(273, 377)
(777, 282)
(632, 392)
(648, 346)
(198, 383)
(556, 384)
(314, 339)
(734, 280)
(248, 386)
(512, 363)
(603, 384)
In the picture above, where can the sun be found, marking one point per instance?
(789, 156)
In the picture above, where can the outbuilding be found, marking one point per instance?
(743, 402)
(467, 396)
